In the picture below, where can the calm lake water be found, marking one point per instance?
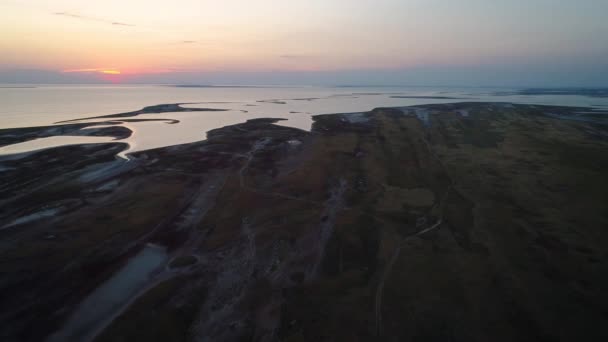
(46, 104)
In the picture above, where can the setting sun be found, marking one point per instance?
(106, 74)
(110, 72)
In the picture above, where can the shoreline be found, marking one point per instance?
(10, 136)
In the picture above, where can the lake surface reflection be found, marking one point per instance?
(45, 105)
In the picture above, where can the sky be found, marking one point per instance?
(378, 42)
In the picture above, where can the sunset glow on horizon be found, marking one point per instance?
(189, 36)
(96, 70)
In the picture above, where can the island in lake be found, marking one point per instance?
(445, 222)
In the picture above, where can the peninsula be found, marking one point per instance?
(469, 221)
